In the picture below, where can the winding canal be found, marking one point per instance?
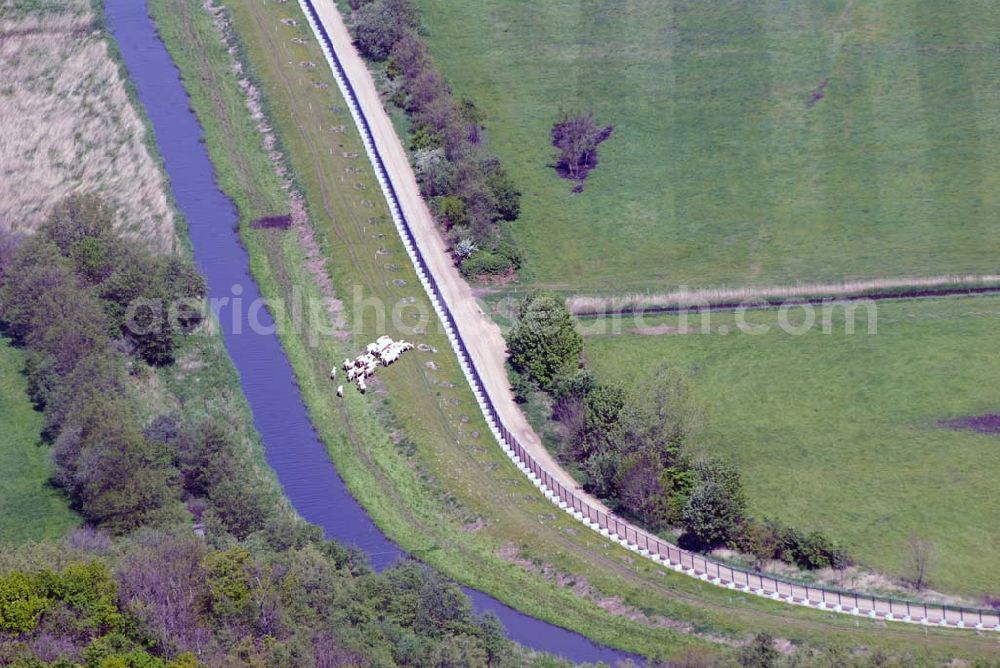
(292, 446)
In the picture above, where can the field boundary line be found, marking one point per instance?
(764, 297)
(597, 519)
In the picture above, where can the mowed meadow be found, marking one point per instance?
(30, 507)
(843, 433)
(755, 143)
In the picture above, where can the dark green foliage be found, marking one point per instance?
(78, 219)
(809, 551)
(630, 443)
(169, 597)
(381, 24)
(261, 588)
(117, 477)
(544, 345)
(452, 211)
(485, 263)
(725, 474)
(471, 190)
(152, 300)
(661, 416)
(63, 299)
(508, 197)
(711, 515)
(714, 512)
(632, 448)
(521, 385)
(760, 653)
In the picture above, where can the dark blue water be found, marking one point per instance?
(293, 448)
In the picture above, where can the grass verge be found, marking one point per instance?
(30, 508)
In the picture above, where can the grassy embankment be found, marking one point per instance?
(840, 432)
(721, 169)
(30, 508)
(414, 450)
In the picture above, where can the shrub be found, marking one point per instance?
(711, 515)
(508, 197)
(760, 653)
(435, 173)
(576, 136)
(602, 428)
(809, 551)
(409, 55)
(21, 604)
(522, 386)
(544, 344)
(660, 415)
(452, 212)
(380, 25)
(485, 263)
(642, 490)
(474, 190)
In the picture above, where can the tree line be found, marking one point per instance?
(185, 558)
(468, 190)
(635, 447)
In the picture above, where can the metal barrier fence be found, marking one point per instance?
(637, 540)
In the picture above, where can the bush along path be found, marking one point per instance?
(469, 192)
(481, 351)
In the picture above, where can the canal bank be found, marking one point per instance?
(293, 449)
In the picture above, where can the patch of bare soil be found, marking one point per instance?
(272, 223)
(473, 527)
(983, 424)
(496, 280)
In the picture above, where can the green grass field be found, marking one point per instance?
(718, 171)
(840, 432)
(418, 457)
(30, 508)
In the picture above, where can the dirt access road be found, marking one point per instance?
(481, 335)
(488, 352)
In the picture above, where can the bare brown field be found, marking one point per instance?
(67, 124)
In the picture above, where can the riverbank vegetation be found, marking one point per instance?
(190, 554)
(67, 124)
(464, 183)
(251, 583)
(845, 431)
(414, 451)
